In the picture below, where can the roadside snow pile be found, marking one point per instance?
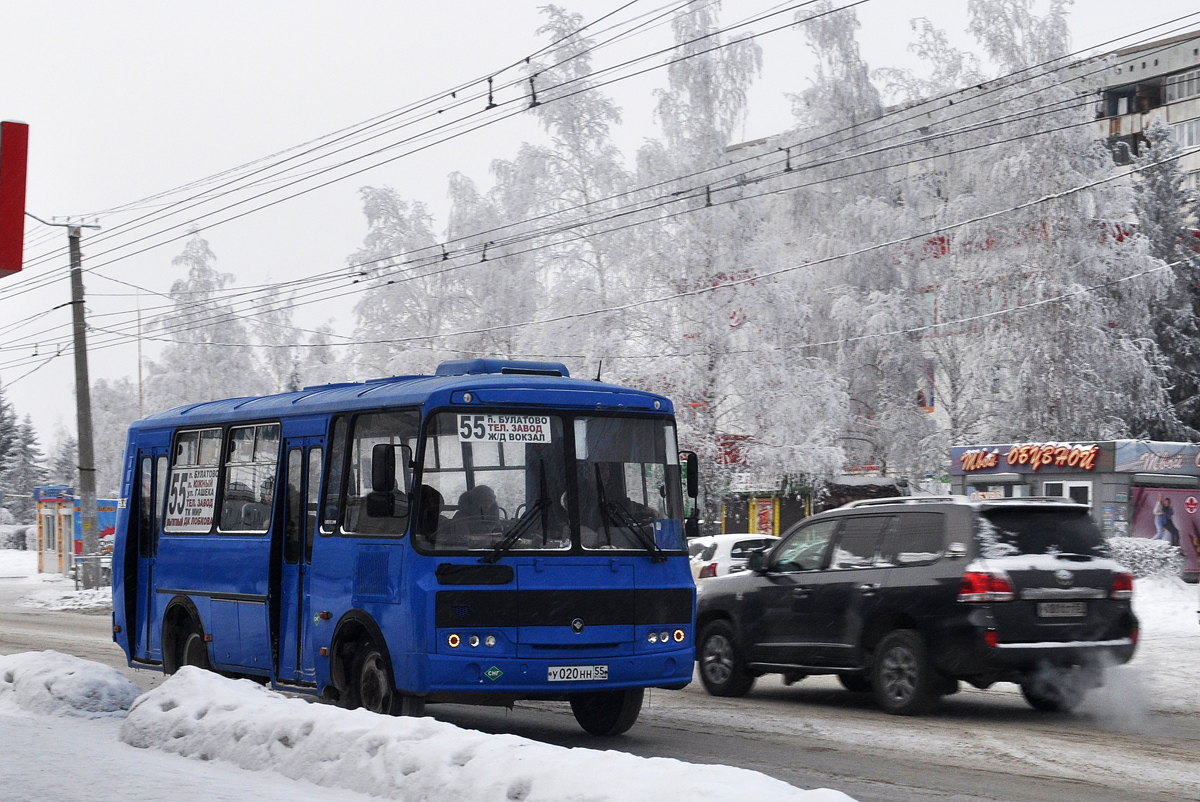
(52, 683)
(1169, 649)
(1145, 557)
(96, 600)
(1166, 606)
(16, 564)
(198, 714)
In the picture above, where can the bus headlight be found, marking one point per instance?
(679, 635)
(652, 637)
(489, 641)
(453, 640)
(473, 640)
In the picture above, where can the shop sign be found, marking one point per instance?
(1138, 456)
(1031, 456)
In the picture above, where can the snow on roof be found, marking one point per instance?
(201, 715)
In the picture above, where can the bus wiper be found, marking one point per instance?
(623, 517)
(516, 531)
(523, 524)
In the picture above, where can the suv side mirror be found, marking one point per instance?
(757, 562)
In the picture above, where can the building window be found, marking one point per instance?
(1187, 133)
(1183, 85)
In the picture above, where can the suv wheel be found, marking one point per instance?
(904, 680)
(721, 668)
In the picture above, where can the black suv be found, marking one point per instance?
(905, 597)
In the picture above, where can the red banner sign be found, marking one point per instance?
(14, 149)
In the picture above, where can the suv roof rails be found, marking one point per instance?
(1031, 499)
(874, 502)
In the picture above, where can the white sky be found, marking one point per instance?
(125, 99)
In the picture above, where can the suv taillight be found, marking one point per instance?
(985, 586)
(1122, 586)
(709, 570)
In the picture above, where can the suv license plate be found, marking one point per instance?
(576, 673)
(1061, 609)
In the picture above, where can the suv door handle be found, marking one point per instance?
(869, 588)
(801, 593)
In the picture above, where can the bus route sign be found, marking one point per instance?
(191, 500)
(504, 428)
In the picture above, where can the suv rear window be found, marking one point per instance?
(744, 548)
(1022, 530)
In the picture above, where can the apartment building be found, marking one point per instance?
(1156, 79)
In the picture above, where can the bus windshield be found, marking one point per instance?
(627, 472)
(489, 478)
(498, 482)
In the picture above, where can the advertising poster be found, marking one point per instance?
(1168, 514)
(764, 516)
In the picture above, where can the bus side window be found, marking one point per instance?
(146, 507)
(292, 511)
(248, 492)
(314, 497)
(333, 486)
(160, 497)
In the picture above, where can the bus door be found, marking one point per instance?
(152, 482)
(304, 460)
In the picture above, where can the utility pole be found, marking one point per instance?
(83, 412)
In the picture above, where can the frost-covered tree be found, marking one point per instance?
(279, 340)
(63, 467)
(114, 408)
(208, 353)
(26, 470)
(410, 294)
(1165, 213)
(8, 430)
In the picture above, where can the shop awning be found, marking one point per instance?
(995, 479)
(1165, 480)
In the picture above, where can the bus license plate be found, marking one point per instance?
(1061, 609)
(576, 673)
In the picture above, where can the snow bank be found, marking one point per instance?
(198, 714)
(1144, 557)
(1166, 606)
(59, 684)
(15, 564)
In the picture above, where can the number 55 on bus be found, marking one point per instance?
(494, 532)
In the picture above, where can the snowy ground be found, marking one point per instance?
(199, 736)
(22, 585)
(202, 737)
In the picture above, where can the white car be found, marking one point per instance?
(719, 555)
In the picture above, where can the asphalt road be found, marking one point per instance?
(980, 746)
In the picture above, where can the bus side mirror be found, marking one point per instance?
(692, 467)
(383, 468)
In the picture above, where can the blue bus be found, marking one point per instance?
(494, 532)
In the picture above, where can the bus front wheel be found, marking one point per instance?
(371, 682)
(607, 712)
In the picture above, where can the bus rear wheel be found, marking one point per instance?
(371, 682)
(192, 649)
(607, 712)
